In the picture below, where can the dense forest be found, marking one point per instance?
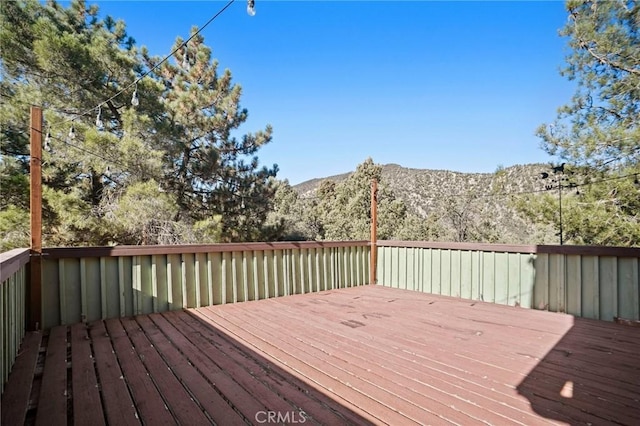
(142, 149)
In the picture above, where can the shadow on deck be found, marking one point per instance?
(591, 376)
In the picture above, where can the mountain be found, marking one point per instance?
(467, 206)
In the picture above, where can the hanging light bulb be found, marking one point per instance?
(72, 133)
(134, 98)
(251, 7)
(99, 123)
(185, 60)
(47, 142)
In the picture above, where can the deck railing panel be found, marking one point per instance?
(94, 283)
(591, 282)
(628, 294)
(13, 295)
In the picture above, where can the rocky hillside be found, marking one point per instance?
(467, 206)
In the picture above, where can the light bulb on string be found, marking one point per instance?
(106, 175)
(99, 123)
(134, 98)
(47, 142)
(185, 60)
(251, 7)
(72, 133)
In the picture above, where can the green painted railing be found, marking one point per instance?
(592, 282)
(13, 286)
(85, 284)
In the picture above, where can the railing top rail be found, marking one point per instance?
(442, 245)
(11, 261)
(515, 248)
(590, 250)
(78, 252)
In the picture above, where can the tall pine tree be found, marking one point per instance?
(598, 132)
(170, 169)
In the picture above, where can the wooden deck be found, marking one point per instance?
(365, 355)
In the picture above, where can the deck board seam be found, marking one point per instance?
(332, 361)
(314, 367)
(233, 346)
(392, 354)
(307, 339)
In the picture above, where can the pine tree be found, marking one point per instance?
(598, 132)
(176, 151)
(212, 171)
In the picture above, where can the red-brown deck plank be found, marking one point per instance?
(232, 366)
(87, 408)
(364, 355)
(314, 373)
(52, 407)
(411, 399)
(182, 406)
(118, 405)
(585, 403)
(146, 397)
(213, 403)
(230, 357)
(15, 399)
(514, 361)
(238, 396)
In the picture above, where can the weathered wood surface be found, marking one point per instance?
(364, 355)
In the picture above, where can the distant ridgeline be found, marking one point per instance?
(469, 206)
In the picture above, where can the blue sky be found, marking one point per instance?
(425, 84)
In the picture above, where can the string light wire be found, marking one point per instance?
(152, 69)
(316, 197)
(135, 102)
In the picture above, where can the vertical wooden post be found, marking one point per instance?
(35, 175)
(374, 233)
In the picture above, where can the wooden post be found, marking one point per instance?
(35, 175)
(374, 233)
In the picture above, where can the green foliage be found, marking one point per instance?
(342, 210)
(145, 214)
(592, 214)
(208, 230)
(14, 228)
(598, 131)
(470, 220)
(173, 169)
(14, 184)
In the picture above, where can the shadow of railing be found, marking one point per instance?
(591, 376)
(276, 395)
